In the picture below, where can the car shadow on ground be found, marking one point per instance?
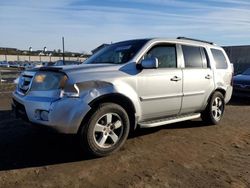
(23, 145)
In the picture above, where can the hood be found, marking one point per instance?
(85, 72)
(242, 79)
(72, 68)
(89, 67)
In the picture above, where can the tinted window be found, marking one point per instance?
(246, 72)
(166, 55)
(192, 57)
(220, 60)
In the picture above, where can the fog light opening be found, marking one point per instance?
(44, 115)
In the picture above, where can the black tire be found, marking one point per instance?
(214, 110)
(105, 131)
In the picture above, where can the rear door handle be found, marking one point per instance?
(208, 76)
(175, 78)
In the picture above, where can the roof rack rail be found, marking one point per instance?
(186, 38)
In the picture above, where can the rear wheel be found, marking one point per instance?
(214, 110)
(106, 130)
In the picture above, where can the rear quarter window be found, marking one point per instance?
(220, 59)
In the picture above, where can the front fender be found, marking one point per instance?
(91, 90)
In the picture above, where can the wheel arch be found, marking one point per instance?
(206, 114)
(221, 90)
(116, 98)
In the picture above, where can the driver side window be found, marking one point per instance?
(166, 55)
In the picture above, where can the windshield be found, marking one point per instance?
(246, 72)
(117, 53)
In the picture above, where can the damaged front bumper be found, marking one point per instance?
(62, 114)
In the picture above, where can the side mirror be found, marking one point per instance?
(150, 63)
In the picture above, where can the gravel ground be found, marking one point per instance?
(187, 154)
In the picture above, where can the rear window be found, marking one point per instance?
(220, 59)
(193, 56)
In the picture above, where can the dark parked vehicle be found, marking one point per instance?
(14, 64)
(241, 84)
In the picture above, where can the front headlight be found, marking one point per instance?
(70, 91)
(45, 81)
(92, 87)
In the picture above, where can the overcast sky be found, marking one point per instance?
(85, 24)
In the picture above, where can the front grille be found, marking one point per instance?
(24, 83)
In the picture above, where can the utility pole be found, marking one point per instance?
(30, 50)
(63, 49)
(6, 54)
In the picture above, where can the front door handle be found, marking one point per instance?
(175, 78)
(208, 76)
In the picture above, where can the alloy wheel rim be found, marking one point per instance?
(108, 130)
(217, 108)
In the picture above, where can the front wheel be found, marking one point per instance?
(106, 130)
(215, 109)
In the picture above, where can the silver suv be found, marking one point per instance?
(145, 83)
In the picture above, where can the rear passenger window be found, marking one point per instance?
(194, 57)
(166, 55)
(220, 60)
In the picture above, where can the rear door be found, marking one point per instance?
(198, 81)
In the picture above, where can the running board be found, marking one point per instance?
(165, 121)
